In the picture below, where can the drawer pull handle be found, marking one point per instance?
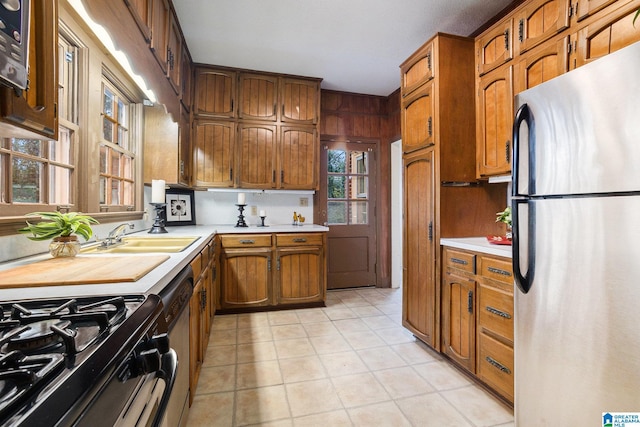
(498, 312)
(300, 239)
(499, 271)
(498, 365)
(459, 261)
(247, 241)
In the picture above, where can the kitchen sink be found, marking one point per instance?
(139, 244)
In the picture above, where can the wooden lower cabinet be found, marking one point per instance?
(200, 314)
(477, 317)
(265, 270)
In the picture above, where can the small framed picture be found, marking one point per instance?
(180, 207)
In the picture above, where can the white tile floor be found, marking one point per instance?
(348, 364)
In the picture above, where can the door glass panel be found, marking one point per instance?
(347, 180)
(358, 212)
(336, 213)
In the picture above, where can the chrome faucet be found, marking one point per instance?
(115, 235)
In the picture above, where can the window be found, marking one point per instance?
(347, 187)
(117, 156)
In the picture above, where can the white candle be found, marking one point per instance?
(262, 213)
(157, 191)
(241, 199)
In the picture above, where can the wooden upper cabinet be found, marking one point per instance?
(541, 64)
(539, 20)
(494, 120)
(298, 158)
(160, 13)
(417, 69)
(607, 34)
(213, 153)
(174, 54)
(587, 8)
(418, 119)
(258, 97)
(186, 79)
(300, 100)
(495, 47)
(35, 108)
(184, 150)
(141, 11)
(257, 155)
(215, 92)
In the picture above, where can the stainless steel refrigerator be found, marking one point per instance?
(576, 244)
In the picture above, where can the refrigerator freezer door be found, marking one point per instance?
(577, 345)
(587, 130)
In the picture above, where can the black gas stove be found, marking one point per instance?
(83, 361)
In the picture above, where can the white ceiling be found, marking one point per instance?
(354, 45)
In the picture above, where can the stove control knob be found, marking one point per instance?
(161, 342)
(147, 362)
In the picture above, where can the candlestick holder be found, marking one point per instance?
(262, 222)
(241, 222)
(158, 223)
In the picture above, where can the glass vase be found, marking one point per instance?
(67, 246)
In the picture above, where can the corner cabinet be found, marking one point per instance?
(272, 271)
(275, 120)
(35, 108)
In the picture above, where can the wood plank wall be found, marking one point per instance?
(350, 116)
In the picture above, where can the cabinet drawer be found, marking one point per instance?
(495, 365)
(299, 239)
(496, 269)
(495, 311)
(246, 240)
(460, 260)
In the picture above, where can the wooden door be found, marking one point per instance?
(141, 11)
(586, 8)
(34, 109)
(458, 319)
(495, 47)
(214, 153)
(174, 54)
(257, 155)
(258, 97)
(214, 93)
(300, 101)
(541, 64)
(494, 121)
(184, 151)
(539, 20)
(246, 277)
(195, 343)
(300, 274)
(298, 158)
(608, 34)
(418, 119)
(420, 292)
(186, 73)
(348, 203)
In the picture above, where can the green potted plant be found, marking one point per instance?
(63, 229)
(505, 217)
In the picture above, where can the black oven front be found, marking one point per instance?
(96, 361)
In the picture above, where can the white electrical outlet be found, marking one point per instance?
(254, 210)
(304, 201)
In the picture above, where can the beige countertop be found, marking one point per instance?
(477, 244)
(154, 281)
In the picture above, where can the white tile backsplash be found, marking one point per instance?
(214, 207)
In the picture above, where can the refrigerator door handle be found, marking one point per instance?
(523, 280)
(524, 115)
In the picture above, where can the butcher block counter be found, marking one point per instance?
(161, 272)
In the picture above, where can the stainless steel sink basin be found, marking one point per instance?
(140, 244)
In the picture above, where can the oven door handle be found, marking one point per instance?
(168, 374)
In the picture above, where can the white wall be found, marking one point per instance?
(396, 214)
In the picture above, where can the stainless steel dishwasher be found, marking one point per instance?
(175, 298)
